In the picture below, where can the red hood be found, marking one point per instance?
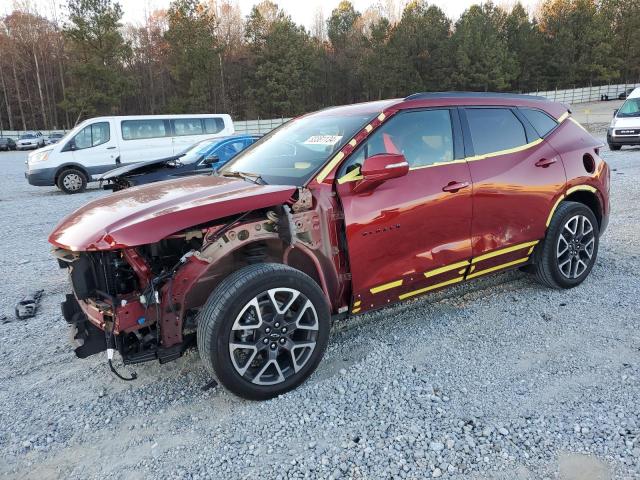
(147, 214)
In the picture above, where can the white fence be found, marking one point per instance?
(587, 94)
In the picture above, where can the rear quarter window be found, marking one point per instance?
(138, 129)
(494, 129)
(542, 122)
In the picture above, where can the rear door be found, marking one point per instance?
(410, 234)
(517, 178)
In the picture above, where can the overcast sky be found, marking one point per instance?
(302, 11)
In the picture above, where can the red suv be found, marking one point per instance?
(335, 213)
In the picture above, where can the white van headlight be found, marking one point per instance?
(39, 156)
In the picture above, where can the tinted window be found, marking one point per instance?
(187, 126)
(92, 135)
(228, 151)
(136, 129)
(494, 129)
(213, 125)
(542, 122)
(423, 137)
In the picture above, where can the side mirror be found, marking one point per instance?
(380, 168)
(615, 112)
(211, 160)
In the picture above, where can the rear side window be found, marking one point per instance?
(494, 129)
(213, 125)
(92, 135)
(542, 122)
(187, 126)
(137, 129)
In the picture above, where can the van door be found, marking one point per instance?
(144, 139)
(94, 147)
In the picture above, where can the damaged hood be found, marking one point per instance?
(147, 214)
(137, 167)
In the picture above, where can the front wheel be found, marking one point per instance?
(567, 254)
(72, 181)
(264, 330)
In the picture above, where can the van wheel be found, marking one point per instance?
(614, 147)
(567, 254)
(72, 180)
(264, 330)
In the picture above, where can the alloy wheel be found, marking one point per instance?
(273, 336)
(576, 243)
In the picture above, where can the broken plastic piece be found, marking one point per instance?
(26, 308)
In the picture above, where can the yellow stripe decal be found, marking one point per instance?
(553, 210)
(563, 117)
(381, 117)
(531, 250)
(430, 287)
(577, 123)
(386, 286)
(503, 251)
(461, 272)
(355, 310)
(504, 152)
(497, 267)
(368, 128)
(353, 142)
(447, 268)
(330, 166)
(352, 176)
(588, 188)
(357, 303)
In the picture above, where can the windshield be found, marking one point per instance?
(195, 152)
(26, 137)
(630, 108)
(292, 153)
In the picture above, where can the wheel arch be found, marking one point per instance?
(589, 198)
(69, 166)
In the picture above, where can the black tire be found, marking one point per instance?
(547, 263)
(72, 180)
(225, 308)
(614, 147)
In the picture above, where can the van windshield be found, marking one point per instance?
(630, 108)
(292, 153)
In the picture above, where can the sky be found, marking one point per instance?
(302, 11)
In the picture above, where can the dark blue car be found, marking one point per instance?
(203, 157)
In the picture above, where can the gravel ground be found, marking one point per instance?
(499, 378)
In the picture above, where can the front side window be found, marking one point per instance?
(139, 129)
(494, 129)
(424, 138)
(542, 123)
(228, 151)
(187, 126)
(92, 135)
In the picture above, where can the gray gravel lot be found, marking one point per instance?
(499, 378)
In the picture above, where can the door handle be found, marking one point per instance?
(110, 148)
(454, 186)
(545, 162)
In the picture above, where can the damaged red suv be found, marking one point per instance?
(335, 213)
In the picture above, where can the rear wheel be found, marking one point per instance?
(613, 146)
(567, 254)
(72, 180)
(264, 330)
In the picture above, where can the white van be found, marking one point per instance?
(625, 126)
(103, 143)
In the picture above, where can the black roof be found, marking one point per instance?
(515, 96)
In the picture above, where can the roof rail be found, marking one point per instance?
(515, 96)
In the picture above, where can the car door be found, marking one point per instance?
(517, 178)
(410, 234)
(94, 147)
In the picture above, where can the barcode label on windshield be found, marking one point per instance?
(323, 140)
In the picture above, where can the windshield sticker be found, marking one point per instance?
(323, 140)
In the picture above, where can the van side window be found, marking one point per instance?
(137, 129)
(92, 135)
(424, 137)
(213, 125)
(187, 126)
(494, 129)
(541, 122)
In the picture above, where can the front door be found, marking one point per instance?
(94, 147)
(411, 234)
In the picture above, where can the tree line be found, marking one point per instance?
(203, 56)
